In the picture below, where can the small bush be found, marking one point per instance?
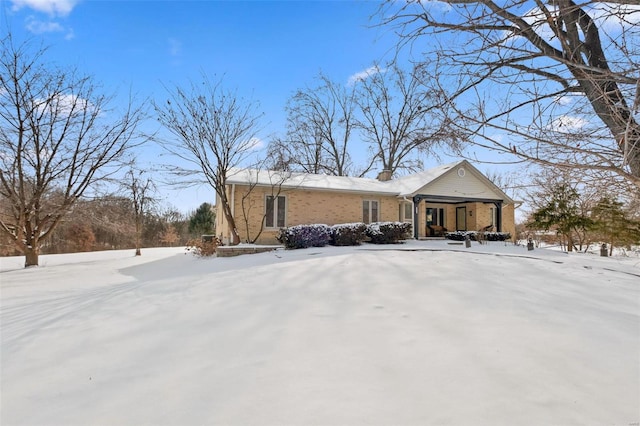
(348, 234)
(303, 236)
(203, 247)
(388, 232)
(497, 236)
(460, 236)
(473, 236)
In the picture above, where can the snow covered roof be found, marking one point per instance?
(405, 186)
(309, 181)
(411, 184)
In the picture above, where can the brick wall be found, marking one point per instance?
(309, 206)
(305, 207)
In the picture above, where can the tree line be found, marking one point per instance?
(575, 214)
(110, 223)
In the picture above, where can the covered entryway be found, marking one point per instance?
(446, 214)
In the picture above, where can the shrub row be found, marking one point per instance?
(347, 234)
(303, 236)
(388, 232)
(473, 236)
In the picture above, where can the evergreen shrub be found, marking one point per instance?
(348, 234)
(388, 232)
(473, 236)
(303, 236)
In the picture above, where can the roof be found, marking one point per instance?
(309, 181)
(411, 184)
(406, 186)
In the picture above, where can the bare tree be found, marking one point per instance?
(140, 189)
(320, 125)
(401, 117)
(57, 139)
(169, 236)
(276, 179)
(553, 83)
(216, 131)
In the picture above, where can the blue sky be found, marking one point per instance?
(265, 49)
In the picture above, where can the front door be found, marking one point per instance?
(461, 218)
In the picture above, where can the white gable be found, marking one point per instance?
(464, 182)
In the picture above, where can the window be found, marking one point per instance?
(406, 212)
(369, 211)
(276, 209)
(493, 214)
(435, 216)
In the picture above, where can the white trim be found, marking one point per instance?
(275, 211)
(370, 210)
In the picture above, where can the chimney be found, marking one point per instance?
(384, 175)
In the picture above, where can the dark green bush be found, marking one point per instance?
(348, 234)
(388, 232)
(303, 236)
(473, 236)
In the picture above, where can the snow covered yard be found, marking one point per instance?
(416, 334)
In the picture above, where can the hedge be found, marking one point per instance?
(473, 236)
(303, 236)
(348, 234)
(388, 232)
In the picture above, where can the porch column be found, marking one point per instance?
(498, 205)
(416, 202)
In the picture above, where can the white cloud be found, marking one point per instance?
(363, 75)
(567, 123)
(51, 7)
(64, 104)
(256, 144)
(611, 17)
(175, 47)
(563, 100)
(36, 26)
(439, 6)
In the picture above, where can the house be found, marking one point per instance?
(449, 197)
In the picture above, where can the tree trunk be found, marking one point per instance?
(235, 237)
(611, 247)
(226, 208)
(31, 255)
(138, 236)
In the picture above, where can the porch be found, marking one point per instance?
(436, 215)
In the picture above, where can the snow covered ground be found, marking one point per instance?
(416, 334)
